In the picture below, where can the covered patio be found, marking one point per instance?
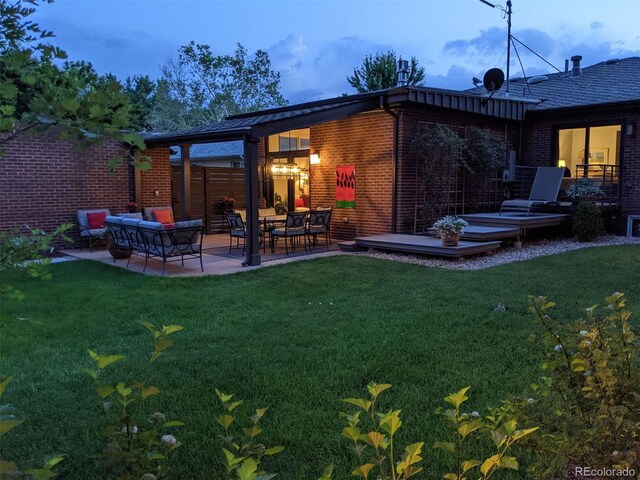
(251, 129)
(216, 259)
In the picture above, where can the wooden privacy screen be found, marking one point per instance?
(208, 186)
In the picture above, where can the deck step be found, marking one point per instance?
(425, 245)
(477, 233)
(349, 246)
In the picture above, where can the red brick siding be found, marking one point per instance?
(539, 145)
(45, 180)
(366, 141)
(156, 179)
(406, 176)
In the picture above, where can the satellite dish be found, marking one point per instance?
(493, 80)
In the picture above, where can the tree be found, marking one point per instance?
(142, 96)
(381, 71)
(199, 87)
(36, 94)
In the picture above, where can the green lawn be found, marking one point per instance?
(297, 338)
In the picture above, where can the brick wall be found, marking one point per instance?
(410, 119)
(45, 180)
(366, 141)
(156, 179)
(539, 145)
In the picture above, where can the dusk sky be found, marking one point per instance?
(315, 44)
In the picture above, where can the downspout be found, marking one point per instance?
(394, 170)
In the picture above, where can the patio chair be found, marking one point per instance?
(91, 225)
(319, 225)
(238, 230)
(544, 191)
(294, 227)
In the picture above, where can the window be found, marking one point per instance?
(288, 141)
(589, 147)
(292, 149)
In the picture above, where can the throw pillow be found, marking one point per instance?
(300, 202)
(96, 220)
(163, 216)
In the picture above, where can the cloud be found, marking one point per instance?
(594, 53)
(596, 25)
(123, 52)
(489, 42)
(457, 78)
(288, 57)
(309, 73)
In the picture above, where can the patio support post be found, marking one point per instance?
(185, 162)
(251, 201)
(137, 181)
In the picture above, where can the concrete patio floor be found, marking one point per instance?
(213, 264)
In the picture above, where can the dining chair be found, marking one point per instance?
(238, 230)
(294, 227)
(319, 221)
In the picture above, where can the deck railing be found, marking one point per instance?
(606, 177)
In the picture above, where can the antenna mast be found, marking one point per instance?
(508, 42)
(508, 13)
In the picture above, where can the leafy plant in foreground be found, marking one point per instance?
(375, 444)
(25, 253)
(588, 401)
(135, 436)
(500, 426)
(9, 469)
(241, 450)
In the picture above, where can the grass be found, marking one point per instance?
(297, 338)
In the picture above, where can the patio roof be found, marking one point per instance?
(276, 120)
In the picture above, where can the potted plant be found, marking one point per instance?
(584, 189)
(450, 228)
(279, 205)
(132, 207)
(228, 203)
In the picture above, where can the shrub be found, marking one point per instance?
(375, 444)
(242, 452)
(588, 401)
(587, 222)
(136, 438)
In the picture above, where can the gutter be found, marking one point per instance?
(170, 139)
(396, 120)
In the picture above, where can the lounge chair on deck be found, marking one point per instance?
(544, 191)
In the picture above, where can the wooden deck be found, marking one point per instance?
(521, 221)
(476, 233)
(424, 245)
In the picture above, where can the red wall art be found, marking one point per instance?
(346, 186)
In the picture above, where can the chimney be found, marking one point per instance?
(403, 73)
(576, 71)
(566, 66)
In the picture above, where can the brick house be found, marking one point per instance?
(584, 119)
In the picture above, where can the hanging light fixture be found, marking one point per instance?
(288, 170)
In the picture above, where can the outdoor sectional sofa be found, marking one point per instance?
(155, 240)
